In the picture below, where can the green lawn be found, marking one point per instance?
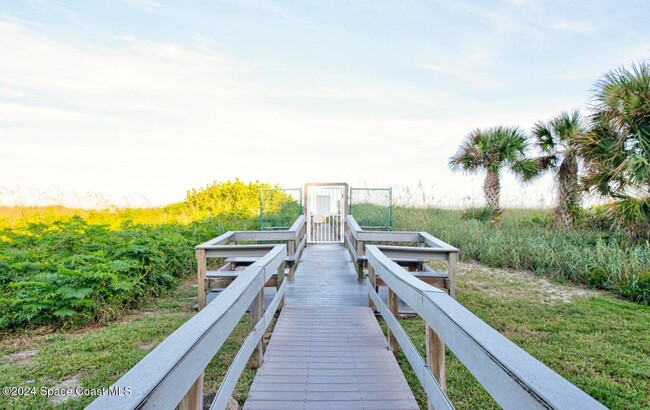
(596, 341)
(96, 357)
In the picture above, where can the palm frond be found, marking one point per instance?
(526, 169)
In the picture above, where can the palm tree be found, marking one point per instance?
(492, 150)
(558, 139)
(617, 150)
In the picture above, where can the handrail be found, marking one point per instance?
(511, 376)
(292, 234)
(219, 247)
(433, 249)
(164, 376)
(239, 362)
(360, 234)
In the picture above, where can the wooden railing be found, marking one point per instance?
(429, 248)
(222, 247)
(515, 379)
(172, 373)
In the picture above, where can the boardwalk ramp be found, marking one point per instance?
(327, 350)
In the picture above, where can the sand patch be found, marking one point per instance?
(513, 284)
(69, 384)
(23, 358)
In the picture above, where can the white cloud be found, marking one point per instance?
(157, 118)
(148, 5)
(575, 26)
(472, 67)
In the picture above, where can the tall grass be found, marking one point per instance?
(587, 256)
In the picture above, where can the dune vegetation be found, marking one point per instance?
(69, 267)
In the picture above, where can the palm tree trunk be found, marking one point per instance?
(492, 190)
(567, 191)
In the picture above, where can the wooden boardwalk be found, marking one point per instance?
(327, 350)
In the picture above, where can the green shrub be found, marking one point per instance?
(483, 214)
(71, 272)
(238, 198)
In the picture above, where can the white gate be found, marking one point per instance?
(325, 210)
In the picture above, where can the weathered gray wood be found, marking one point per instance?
(452, 268)
(200, 276)
(361, 251)
(323, 278)
(167, 373)
(298, 225)
(327, 350)
(414, 252)
(294, 233)
(193, 400)
(256, 311)
(422, 371)
(250, 344)
(219, 240)
(223, 251)
(296, 258)
(353, 226)
(511, 376)
(352, 370)
(435, 349)
(437, 279)
(393, 307)
(281, 277)
(388, 236)
(271, 236)
(372, 280)
(436, 243)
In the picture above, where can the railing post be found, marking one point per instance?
(279, 282)
(452, 267)
(200, 276)
(393, 306)
(373, 282)
(291, 251)
(436, 358)
(256, 312)
(193, 400)
(361, 251)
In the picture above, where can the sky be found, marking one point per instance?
(137, 101)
